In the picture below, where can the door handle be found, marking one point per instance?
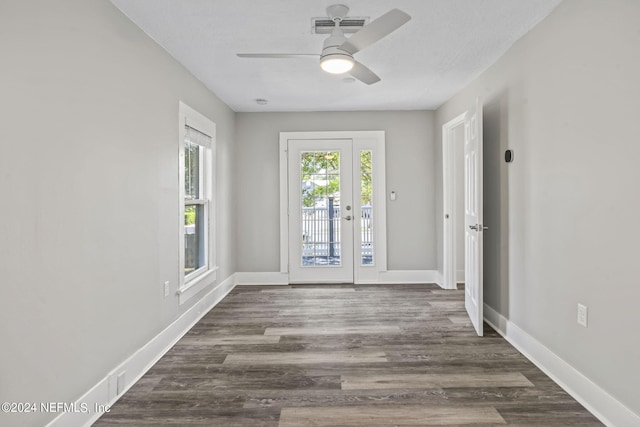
(478, 227)
(348, 217)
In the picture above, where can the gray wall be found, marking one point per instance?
(89, 184)
(563, 216)
(410, 172)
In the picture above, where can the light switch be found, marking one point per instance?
(393, 195)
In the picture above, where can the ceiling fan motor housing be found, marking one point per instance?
(333, 59)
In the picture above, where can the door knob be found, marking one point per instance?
(348, 217)
(478, 227)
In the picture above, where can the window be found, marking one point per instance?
(197, 144)
(196, 202)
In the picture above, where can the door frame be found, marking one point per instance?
(361, 140)
(472, 122)
(448, 206)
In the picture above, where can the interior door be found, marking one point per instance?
(320, 211)
(473, 299)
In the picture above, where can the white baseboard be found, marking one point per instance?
(385, 277)
(439, 279)
(105, 392)
(267, 278)
(408, 277)
(605, 407)
(459, 276)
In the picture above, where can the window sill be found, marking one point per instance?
(191, 288)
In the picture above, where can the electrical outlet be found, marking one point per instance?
(166, 288)
(582, 315)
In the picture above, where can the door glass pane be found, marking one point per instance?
(366, 203)
(320, 210)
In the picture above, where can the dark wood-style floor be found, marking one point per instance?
(400, 355)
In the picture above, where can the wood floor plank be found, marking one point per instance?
(397, 415)
(295, 358)
(549, 413)
(326, 290)
(359, 308)
(505, 398)
(232, 340)
(459, 319)
(407, 381)
(447, 304)
(334, 330)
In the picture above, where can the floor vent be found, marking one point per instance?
(326, 25)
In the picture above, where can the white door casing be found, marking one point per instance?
(449, 191)
(365, 267)
(473, 295)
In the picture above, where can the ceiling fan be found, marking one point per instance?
(337, 50)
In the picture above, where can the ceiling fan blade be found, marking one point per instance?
(276, 55)
(375, 30)
(363, 74)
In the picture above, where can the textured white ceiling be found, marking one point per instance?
(445, 45)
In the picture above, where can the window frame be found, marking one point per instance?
(201, 200)
(192, 283)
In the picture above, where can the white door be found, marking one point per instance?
(321, 212)
(473, 299)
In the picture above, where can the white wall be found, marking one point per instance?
(562, 217)
(89, 184)
(410, 173)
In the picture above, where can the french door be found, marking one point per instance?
(333, 203)
(321, 211)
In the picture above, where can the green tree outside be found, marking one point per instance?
(322, 170)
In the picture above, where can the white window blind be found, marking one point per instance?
(194, 136)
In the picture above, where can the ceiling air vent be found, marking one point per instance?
(326, 25)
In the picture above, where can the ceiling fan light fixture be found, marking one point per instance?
(336, 63)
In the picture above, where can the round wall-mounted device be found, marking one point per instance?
(508, 156)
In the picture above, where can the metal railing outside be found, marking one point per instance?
(321, 235)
